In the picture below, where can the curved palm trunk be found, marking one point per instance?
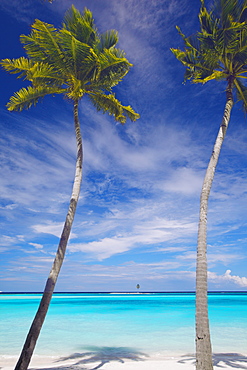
(203, 342)
(38, 321)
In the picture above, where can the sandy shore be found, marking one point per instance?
(82, 362)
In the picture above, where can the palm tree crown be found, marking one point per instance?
(219, 50)
(74, 60)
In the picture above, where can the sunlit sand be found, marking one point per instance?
(109, 362)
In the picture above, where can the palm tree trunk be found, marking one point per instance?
(39, 319)
(203, 342)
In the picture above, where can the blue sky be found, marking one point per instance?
(137, 217)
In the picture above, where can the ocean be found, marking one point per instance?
(152, 324)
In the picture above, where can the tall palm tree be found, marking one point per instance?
(217, 52)
(74, 60)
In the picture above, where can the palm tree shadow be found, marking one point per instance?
(233, 360)
(98, 357)
(105, 355)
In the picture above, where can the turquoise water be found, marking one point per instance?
(155, 324)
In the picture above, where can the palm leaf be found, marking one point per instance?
(130, 113)
(216, 75)
(44, 72)
(81, 59)
(243, 12)
(108, 40)
(222, 9)
(26, 97)
(241, 93)
(185, 57)
(21, 65)
(188, 41)
(118, 52)
(206, 21)
(240, 58)
(81, 26)
(43, 45)
(108, 103)
(38, 72)
(112, 67)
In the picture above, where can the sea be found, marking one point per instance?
(151, 324)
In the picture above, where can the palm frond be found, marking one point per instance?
(113, 68)
(33, 48)
(130, 113)
(109, 104)
(189, 42)
(81, 60)
(108, 40)
(216, 75)
(26, 97)
(37, 73)
(44, 72)
(43, 44)
(118, 52)
(241, 92)
(220, 48)
(20, 65)
(196, 63)
(243, 12)
(206, 21)
(240, 59)
(224, 8)
(188, 60)
(81, 26)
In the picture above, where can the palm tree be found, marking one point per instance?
(217, 52)
(74, 60)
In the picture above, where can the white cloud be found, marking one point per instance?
(9, 206)
(7, 241)
(157, 231)
(19, 10)
(225, 257)
(32, 264)
(185, 181)
(36, 245)
(107, 149)
(53, 228)
(42, 166)
(215, 257)
(227, 277)
(103, 248)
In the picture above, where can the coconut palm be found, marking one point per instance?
(217, 52)
(74, 61)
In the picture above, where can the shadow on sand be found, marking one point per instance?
(97, 357)
(233, 360)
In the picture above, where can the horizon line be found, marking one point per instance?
(124, 292)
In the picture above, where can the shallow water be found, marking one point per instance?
(154, 324)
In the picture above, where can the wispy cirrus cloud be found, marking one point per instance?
(142, 234)
(53, 228)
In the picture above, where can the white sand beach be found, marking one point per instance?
(77, 362)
